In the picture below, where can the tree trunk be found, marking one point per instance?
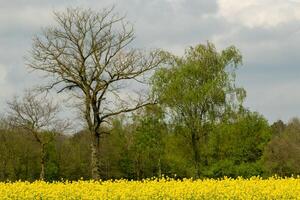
(43, 160)
(196, 155)
(95, 156)
(159, 168)
(26, 166)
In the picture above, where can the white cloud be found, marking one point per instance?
(259, 13)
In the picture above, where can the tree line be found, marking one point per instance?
(146, 113)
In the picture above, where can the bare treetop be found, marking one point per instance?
(35, 113)
(89, 51)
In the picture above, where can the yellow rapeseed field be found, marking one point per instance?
(253, 188)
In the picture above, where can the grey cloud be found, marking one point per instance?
(167, 24)
(271, 55)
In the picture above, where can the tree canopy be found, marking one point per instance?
(199, 89)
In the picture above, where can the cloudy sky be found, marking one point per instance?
(266, 31)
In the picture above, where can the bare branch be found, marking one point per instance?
(34, 114)
(88, 54)
(125, 110)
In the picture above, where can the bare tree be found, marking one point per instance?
(88, 54)
(36, 115)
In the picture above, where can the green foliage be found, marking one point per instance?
(281, 155)
(149, 139)
(241, 140)
(52, 165)
(203, 77)
(178, 157)
(229, 168)
(199, 90)
(74, 156)
(19, 156)
(236, 146)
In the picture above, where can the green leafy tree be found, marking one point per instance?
(278, 127)
(199, 89)
(281, 155)
(237, 145)
(148, 142)
(74, 156)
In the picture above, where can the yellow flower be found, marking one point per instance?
(165, 188)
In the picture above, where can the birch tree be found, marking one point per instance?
(199, 89)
